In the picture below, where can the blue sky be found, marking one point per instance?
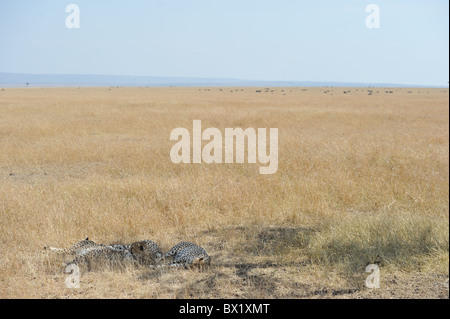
(278, 40)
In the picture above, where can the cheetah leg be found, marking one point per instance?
(165, 266)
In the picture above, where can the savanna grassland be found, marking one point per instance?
(362, 179)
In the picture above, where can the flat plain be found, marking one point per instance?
(363, 179)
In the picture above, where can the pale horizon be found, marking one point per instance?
(288, 41)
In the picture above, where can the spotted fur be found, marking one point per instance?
(78, 248)
(188, 255)
(103, 254)
(146, 252)
(177, 248)
(86, 252)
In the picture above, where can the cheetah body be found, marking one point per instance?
(79, 248)
(146, 252)
(188, 255)
(103, 254)
(86, 251)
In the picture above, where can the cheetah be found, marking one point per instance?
(78, 248)
(103, 254)
(177, 248)
(146, 252)
(86, 251)
(188, 255)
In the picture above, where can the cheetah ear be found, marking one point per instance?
(87, 238)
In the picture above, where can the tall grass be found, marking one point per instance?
(361, 179)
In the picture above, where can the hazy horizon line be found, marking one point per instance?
(215, 81)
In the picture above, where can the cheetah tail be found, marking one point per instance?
(58, 250)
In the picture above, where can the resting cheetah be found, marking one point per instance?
(177, 248)
(78, 248)
(146, 252)
(188, 255)
(103, 254)
(87, 251)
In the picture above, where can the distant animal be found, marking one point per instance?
(103, 255)
(146, 252)
(86, 252)
(188, 255)
(78, 248)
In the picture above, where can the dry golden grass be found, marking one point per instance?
(361, 179)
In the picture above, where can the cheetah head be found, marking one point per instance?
(144, 253)
(201, 262)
